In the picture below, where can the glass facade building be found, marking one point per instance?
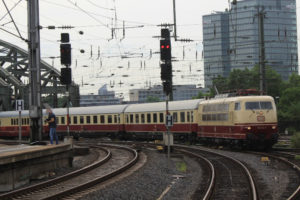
(231, 38)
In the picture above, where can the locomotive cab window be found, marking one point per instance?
(237, 106)
(258, 105)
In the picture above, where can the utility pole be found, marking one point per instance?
(34, 57)
(262, 61)
(174, 16)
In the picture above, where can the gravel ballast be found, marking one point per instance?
(155, 180)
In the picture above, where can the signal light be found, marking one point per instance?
(165, 50)
(166, 72)
(167, 86)
(65, 76)
(65, 54)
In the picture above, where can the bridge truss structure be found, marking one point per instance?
(14, 80)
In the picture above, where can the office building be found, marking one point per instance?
(231, 39)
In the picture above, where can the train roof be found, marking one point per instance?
(161, 106)
(238, 98)
(111, 109)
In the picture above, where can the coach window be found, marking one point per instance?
(131, 118)
(161, 117)
(95, 119)
(182, 116)
(154, 117)
(237, 106)
(102, 119)
(115, 119)
(11, 122)
(192, 116)
(81, 119)
(188, 117)
(109, 119)
(62, 120)
(148, 118)
(142, 118)
(88, 119)
(75, 120)
(137, 118)
(175, 117)
(127, 119)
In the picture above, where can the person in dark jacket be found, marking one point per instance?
(51, 120)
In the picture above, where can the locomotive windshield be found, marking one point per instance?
(259, 105)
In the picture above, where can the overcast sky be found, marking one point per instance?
(131, 60)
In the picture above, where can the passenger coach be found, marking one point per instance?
(148, 120)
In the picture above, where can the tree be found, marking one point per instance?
(240, 79)
(221, 83)
(289, 108)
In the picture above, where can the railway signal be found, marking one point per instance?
(65, 54)
(166, 72)
(165, 50)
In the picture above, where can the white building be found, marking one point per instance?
(180, 92)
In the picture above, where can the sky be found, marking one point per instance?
(102, 53)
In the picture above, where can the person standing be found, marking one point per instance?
(52, 125)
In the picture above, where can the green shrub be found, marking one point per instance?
(297, 157)
(296, 140)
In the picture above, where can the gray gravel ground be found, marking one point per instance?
(155, 180)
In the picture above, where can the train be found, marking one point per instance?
(238, 120)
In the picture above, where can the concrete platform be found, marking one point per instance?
(21, 163)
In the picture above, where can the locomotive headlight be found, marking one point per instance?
(273, 127)
(248, 127)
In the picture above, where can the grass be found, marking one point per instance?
(181, 166)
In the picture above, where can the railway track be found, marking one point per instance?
(116, 161)
(289, 159)
(228, 177)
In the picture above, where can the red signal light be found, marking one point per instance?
(168, 46)
(162, 46)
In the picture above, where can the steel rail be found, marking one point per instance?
(212, 181)
(59, 179)
(249, 176)
(100, 179)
